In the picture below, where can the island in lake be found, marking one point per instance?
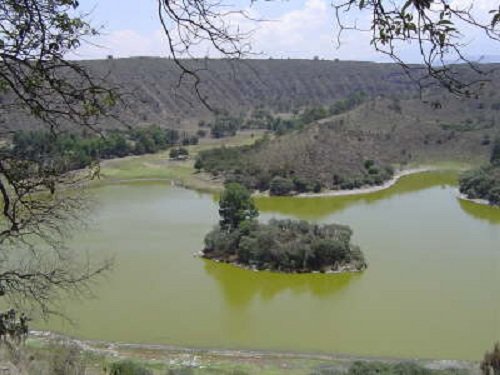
(280, 245)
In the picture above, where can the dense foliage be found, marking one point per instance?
(484, 182)
(286, 246)
(235, 207)
(280, 245)
(78, 151)
(233, 163)
(128, 367)
(389, 368)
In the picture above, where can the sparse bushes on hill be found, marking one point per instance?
(234, 165)
(225, 125)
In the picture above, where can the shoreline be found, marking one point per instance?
(343, 269)
(202, 356)
(482, 202)
(370, 189)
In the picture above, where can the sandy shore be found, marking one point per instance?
(369, 189)
(483, 202)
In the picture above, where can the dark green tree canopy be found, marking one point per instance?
(236, 206)
(495, 153)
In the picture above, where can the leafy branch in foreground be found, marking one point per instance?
(39, 207)
(439, 31)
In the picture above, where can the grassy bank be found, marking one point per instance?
(159, 166)
(47, 353)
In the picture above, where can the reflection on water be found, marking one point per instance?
(480, 211)
(433, 275)
(317, 208)
(241, 286)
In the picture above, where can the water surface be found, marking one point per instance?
(432, 288)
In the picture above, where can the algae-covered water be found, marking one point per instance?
(432, 289)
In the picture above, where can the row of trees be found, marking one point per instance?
(75, 151)
(234, 164)
(280, 245)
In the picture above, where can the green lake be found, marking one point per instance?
(432, 288)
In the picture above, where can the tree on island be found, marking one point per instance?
(236, 206)
(280, 245)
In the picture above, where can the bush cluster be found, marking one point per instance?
(387, 368)
(482, 183)
(285, 246)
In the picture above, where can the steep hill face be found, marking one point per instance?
(281, 85)
(152, 93)
(393, 125)
(389, 131)
(337, 152)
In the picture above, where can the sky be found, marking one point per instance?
(291, 29)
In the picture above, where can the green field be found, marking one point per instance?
(160, 167)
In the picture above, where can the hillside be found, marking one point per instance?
(394, 123)
(152, 96)
(337, 152)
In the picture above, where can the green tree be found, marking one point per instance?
(491, 361)
(37, 79)
(495, 153)
(280, 186)
(236, 206)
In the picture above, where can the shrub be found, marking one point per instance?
(495, 152)
(481, 183)
(178, 153)
(491, 361)
(280, 186)
(128, 367)
(66, 360)
(369, 163)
